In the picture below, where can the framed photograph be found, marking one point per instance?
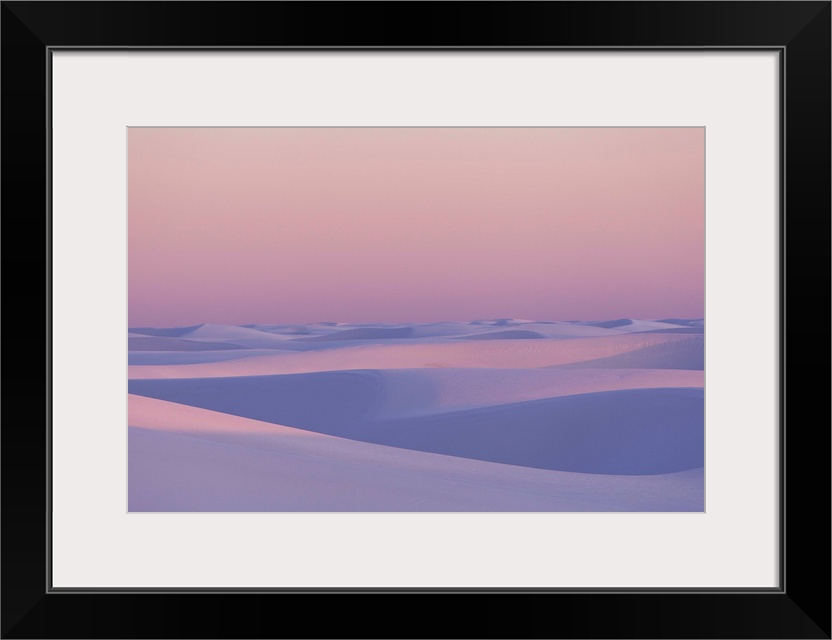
(501, 310)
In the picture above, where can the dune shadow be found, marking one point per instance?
(628, 432)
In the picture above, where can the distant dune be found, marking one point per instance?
(446, 353)
(366, 333)
(516, 334)
(151, 343)
(691, 330)
(612, 324)
(626, 325)
(145, 358)
(173, 332)
(289, 329)
(697, 322)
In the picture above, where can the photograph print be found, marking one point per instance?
(416, 319)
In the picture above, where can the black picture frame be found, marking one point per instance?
(798, 608)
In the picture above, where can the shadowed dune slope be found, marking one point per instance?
(631, 432)
(161, 343)
(516, 334)
(406, 393)
(611, 324)
(691, 330)
(694, 322)
(688, 354)
(413, 392)
(175, 472)
(364, 333)
(163, 358)
(170, 332)
(183, 458)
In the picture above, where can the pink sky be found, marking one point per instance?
(298, 225)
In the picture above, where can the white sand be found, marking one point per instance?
(454, 416)
(393, 354)
(189, 459)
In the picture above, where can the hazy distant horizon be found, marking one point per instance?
(431, 322)
(414, 225)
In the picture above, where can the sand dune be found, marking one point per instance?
(683, 322)
(241, 336)
(187, 459)
(159, 343)
(433, 354)
(160, 415)
(511, 334)
(612, 324)
(286, 329)
(444, 329)
(633, 431)
(415, 392)
(171, 472)
(142, 358)
(171, 332)
(491, 415)
(364, 333)
(690, 330)
(627, 325)
(404, 393)
(568, 330)
(238, 336)
(688, 353)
